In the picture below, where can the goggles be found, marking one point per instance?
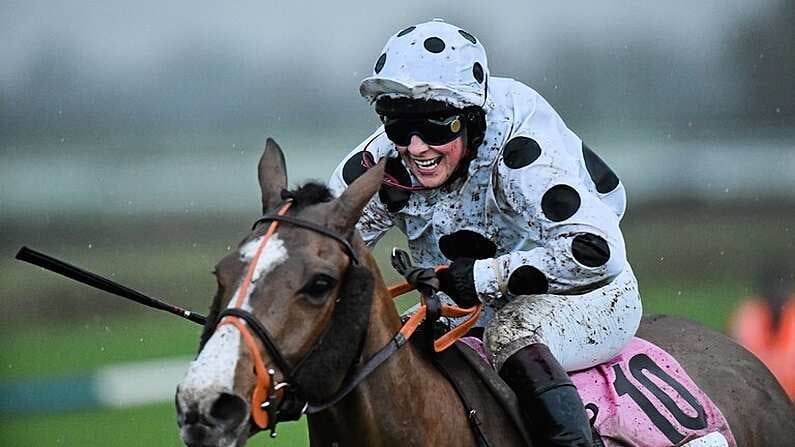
(433, 132)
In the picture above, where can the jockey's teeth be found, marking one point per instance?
(427, 163)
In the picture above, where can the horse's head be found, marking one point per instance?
(299, 311)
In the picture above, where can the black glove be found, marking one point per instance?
(458, 281)
(422, 278)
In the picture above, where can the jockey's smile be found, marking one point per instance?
(432, 165)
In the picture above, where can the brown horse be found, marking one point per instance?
(316, 309)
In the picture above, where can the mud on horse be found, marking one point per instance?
(300, 310)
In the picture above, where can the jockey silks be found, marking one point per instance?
(538, 210)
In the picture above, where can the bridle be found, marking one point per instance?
(273, 402)
(268, 398)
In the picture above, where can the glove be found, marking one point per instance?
(422, 278)
(458, 282)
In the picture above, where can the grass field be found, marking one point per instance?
(145, 426)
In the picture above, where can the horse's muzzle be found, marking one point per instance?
(212, 419)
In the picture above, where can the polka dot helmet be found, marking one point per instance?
(432, 60)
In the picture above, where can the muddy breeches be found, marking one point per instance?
(580, 330)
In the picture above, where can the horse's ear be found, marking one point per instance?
(352, 201)
(272, 175)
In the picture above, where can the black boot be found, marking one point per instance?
(548, 399)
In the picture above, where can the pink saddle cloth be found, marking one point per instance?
(643, 397)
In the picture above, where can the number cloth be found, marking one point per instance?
(643, 397)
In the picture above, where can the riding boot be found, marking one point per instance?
(547, 397)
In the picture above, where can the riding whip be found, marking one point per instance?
(70, 271)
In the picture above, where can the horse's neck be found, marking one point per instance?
(403, 402)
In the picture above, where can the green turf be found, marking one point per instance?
(710, 304)
(66, 349)
(148, 426)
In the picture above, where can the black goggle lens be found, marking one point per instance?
(432, 132)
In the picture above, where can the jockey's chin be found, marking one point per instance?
(432, 166)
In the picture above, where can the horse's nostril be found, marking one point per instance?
(196, 435)
(191, 417)
(229, 408)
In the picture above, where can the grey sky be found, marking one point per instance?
(124, 38)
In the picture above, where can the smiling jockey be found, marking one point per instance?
(484, 175)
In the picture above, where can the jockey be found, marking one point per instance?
(482, 174)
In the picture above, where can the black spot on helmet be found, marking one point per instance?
(379, 64)
(477, 72)
(468, 36)
(406, 31)
(434, 44)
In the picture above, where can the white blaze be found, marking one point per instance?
(215, 366)
(272, 255)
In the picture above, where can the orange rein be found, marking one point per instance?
(446, 340)
(264, 383)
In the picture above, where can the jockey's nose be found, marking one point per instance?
(416, 145)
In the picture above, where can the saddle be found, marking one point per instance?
(642, 397)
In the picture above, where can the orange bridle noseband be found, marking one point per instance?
(267, 394)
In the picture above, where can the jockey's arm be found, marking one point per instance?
(375, 220)
(574, 243)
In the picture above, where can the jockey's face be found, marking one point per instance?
(432, 165)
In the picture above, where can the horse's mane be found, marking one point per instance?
(307, 194)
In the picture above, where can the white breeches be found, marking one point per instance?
(580, 330)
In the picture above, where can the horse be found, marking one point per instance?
(303, 323)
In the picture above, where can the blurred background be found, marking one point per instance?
(130, 133)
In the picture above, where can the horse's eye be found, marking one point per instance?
(319, 285)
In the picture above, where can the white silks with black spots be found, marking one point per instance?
(537, 208)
